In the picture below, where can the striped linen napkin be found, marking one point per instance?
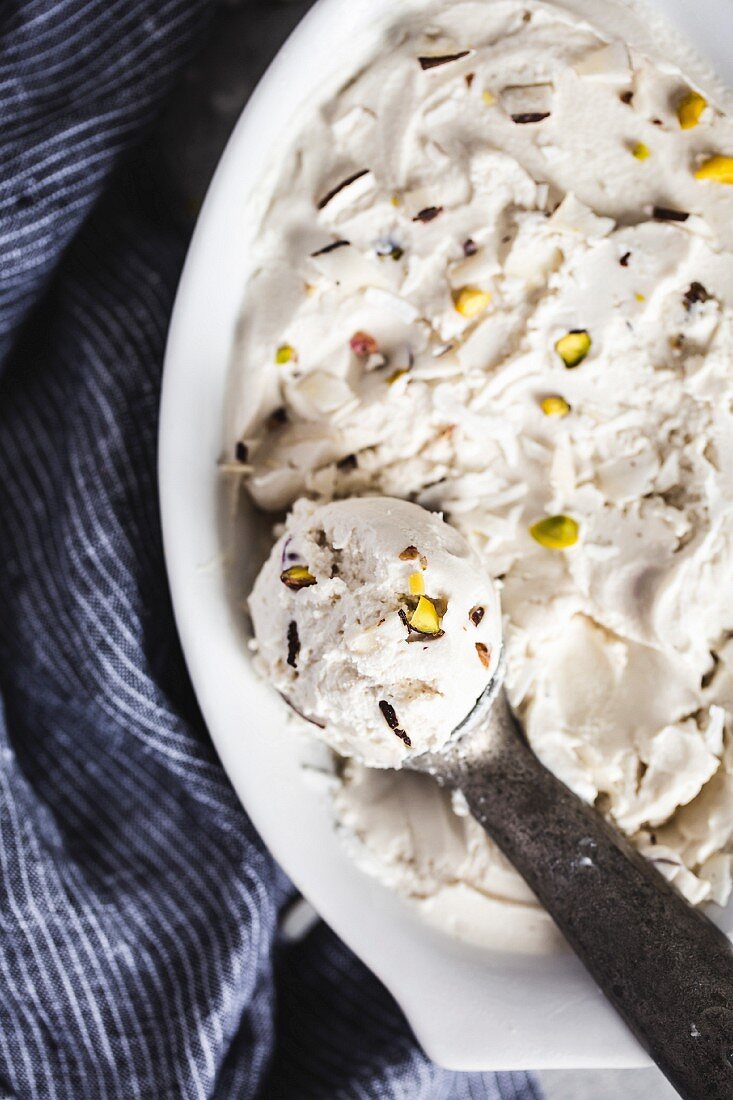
(139, 946)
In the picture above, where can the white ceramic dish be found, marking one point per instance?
(471, 1008)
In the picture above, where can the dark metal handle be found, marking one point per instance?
(664, 966)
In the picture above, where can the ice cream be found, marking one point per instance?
(378, 624)
(495, 277)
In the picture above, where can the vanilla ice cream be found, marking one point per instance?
(378, 624)
(495, 277)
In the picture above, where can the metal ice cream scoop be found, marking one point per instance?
(664, 966)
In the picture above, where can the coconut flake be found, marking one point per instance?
(400, 307)
(608, 65)
(526, 103)
(573, 216)
(347, 192)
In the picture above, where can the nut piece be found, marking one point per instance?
(442, 59)
(416, 584)
(555, 532)
(665, 214)
(641, 151)
(363, 345)
(719, 169)
(488, 97)
(476, 614)
(484, 654)
(285, 354)
(555, 406)
(392, 721)
(429, 214)
(573, 347)
(689, 110)
(297, 577)
(471, 302)
(695, 293)
(425, 619)
(293, 644)
(410, 553)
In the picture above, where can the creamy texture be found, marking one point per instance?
(403, 828)
(476, 241)
(345, 649)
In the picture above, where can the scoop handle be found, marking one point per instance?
(665, 967)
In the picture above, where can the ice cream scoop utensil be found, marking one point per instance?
(665, 967)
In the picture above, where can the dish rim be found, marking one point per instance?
(504, 1005)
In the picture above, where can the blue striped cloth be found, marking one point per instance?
(139, 948)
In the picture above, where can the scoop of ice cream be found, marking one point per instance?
(377, 623)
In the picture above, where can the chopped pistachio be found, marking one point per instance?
(416, 584)
(363, 345)
(641, 151)
(719, 169)
(554, 405)
(411, 553)
(285, 354)
(395, 376)
(555, 532)
(573, 347)
(640, 297)
(471, 302)
(425, 619)
(476, 614)
(689, 110)
(297, 577)
(488, 97)
(484, 654)
(388, 247)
